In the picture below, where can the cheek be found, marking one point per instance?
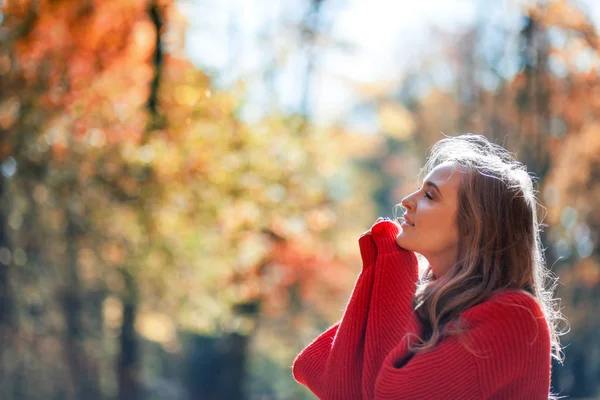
(449, 231)
(439, 228)
(430, 217)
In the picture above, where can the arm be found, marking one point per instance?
(391, 311)
(505, 355)
(339, 363)
(335, 357)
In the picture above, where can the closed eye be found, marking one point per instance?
(427, 195)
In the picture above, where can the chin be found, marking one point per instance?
(403, 243)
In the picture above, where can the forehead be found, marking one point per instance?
(445, 175)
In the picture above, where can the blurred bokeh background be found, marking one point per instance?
(183, 183)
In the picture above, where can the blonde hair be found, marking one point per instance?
(499, 241)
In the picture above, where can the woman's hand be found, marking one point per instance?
(383, 235)
(368, 250)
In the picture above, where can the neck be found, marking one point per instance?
(442, 262)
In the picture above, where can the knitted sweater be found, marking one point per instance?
(505, 354)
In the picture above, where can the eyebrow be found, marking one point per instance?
(433, 185)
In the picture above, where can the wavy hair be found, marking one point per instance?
(499, 241)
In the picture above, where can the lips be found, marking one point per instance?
(408, 221)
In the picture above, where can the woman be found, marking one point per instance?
(479, 322)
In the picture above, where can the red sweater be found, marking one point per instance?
(504, 355)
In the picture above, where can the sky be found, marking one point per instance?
(236, 39)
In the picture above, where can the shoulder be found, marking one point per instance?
(509, 319)
(503, 305)
(509, 340)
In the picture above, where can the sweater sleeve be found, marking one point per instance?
(391, 311)
(504, 355)
(342, 362)
(331, 365)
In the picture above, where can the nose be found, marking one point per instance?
(408, 202)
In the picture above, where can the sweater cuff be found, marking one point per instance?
(384, 234)
(368, 251)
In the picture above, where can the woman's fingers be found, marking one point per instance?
(375, 223)
(379, 220)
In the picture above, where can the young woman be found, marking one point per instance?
(478, 322)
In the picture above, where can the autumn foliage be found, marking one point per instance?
(143, 221)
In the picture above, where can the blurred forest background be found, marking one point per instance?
(175, 229)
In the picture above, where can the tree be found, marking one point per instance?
(140, 204)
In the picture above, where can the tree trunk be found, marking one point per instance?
(154, 120)
(6, 303)
(83, 374)
(7, 326)
(215, 367)
(128, 362)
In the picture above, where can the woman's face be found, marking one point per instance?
(430, 224)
